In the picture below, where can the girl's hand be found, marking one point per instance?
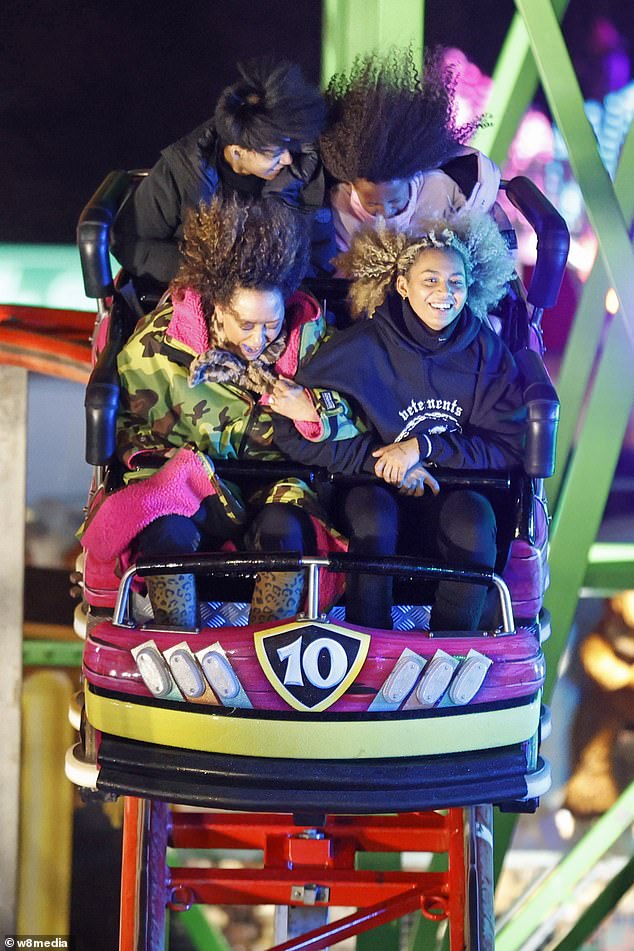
(415, 481)
(395, 460)
(291, 400)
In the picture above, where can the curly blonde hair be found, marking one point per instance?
(378, 254)
(230, 244)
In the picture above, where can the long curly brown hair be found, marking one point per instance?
(388, 120)
(230, 244)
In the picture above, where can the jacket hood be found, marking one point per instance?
(197, 149)
(188, 326)
(391, 326)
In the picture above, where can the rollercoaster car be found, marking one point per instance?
(314, 717)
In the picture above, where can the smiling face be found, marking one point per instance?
(252, 320)
(436, 286)
(267, 163)
(387, 199)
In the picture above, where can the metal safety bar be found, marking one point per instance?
(241, 563)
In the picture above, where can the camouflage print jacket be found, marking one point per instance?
(160, 411)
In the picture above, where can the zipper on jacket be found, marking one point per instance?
(256, 410)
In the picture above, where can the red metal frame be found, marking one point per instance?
(144, 875)
(295, 855)
(130, 861)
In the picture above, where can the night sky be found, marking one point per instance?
(90, 86)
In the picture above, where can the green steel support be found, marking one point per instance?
(610, 568)
(202, 934)
(548, 895)
(582, 499)
(36, 653)
(597, 453)
(515, 81)
(588, 481)
(573, 380)
(583, 342)
(566, 103)
(386, 937)
(350, 27)
(598, 910)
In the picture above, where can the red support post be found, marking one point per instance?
(301, 866)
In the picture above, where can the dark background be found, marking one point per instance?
(88, 86)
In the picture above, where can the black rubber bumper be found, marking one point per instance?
(261, 784)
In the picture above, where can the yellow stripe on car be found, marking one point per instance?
(313, 739)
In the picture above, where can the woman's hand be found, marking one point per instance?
(291, 400)
(415, 481)
(395, 460)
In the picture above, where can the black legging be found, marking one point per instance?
(277, 526)
(457, 526)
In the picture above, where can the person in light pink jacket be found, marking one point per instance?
(394, 149)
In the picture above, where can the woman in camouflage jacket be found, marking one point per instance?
(196, 378)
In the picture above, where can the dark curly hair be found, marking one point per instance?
(270, 105)
(231, 244)
(389, 121)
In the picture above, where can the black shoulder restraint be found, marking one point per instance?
(464, 172)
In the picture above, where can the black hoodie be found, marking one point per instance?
(457, 391)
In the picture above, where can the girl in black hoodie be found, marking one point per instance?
(433, 385)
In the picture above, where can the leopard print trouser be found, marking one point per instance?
(173, 599)
(276, 595)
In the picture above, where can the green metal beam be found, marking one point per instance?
(583, 342)
(515, 81)
(566, 103)
(386, 937)
(582, 499)
(351, 27)
(599, 909)
(588, 481)
(559, 883)
(202, 934)
(598, 450)
(36, 653)
(573, 380)
(610, 568)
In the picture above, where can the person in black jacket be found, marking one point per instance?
(433, 385)
(259, 143)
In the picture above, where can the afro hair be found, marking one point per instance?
(379, 254)
(388, 120)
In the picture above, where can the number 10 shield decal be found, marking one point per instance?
(310, 665)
